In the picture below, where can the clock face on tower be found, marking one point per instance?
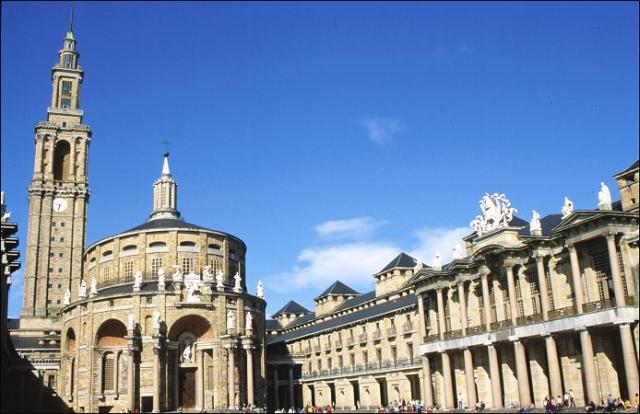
(59, 205)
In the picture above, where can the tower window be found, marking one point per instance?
(66, 88)
(68, 59)
(65, 103)
(156, 264)
(61, 161)
(128, 270)
(187, 265)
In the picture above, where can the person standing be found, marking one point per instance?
(460, 400)
(572, 398)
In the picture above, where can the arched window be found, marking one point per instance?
(157, 244)
(61, 161)
(188, 244)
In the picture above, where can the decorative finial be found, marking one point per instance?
(166, 148)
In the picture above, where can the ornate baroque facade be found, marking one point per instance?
(533, 309)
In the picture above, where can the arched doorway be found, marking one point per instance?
(188, 369)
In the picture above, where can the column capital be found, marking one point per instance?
(510, 263)
(539, 256)
(571, 247)
(610, 234)
(484, 271)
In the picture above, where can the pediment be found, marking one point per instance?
(576, 218)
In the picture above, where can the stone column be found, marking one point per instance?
(231, 382)
(441, 322)
(176, 378)
(542, 282)
(575, 277)
(131, 374)
(494, 372)
(511, 284)
(589, 367)
(291, 396)
(426, 385)
(421, 318)
(555, 381)
(156, 378)
(276, 396)
(463, 308)
(522, 373)
(486, 300)
(471, 382)
(249, 351)
(116, 373)
(618, 287)
(448, 384)
(630, 361)
(199, 384)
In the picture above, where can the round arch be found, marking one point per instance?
(193, 323)
(112, 332)
(61, 160)
(70, 340)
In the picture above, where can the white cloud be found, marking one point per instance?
(440, 239)
(351, 263)
(360, 227)
(382, 129)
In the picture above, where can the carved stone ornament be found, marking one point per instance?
(137, 280)
(177, 273)
(437, 262)
(194, 287)
(131, 321)
(248, 324)
(535, 227)
(82, 290)
(237, 287)
(67, 297)
(220, 280)
(604, 195)
(231, 320)
(567, 207)
(260, 289)
(156, 319)
(94, 287)
(496, 213)
(161, 282)
(419, 265)
(207, 276)
(457, 252)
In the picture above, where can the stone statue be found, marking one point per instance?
(94, 287)
(131, 321)
(187, 354)
(248, 322)
(220, 280)
(604, 196)
(67, 297)
(238, 279)
(231, 320)
(419, 265)
(457, 251)
(192, 292)
(534, 226)
(260, 289)
(137, 280)
(156, 319)
(496, 213)
(161, 279)
(567, 208)
(177, 274)
(437, 263)
(82, 290)
(4, 214)
(207, 276)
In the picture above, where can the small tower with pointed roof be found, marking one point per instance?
(332, 297)
(395, 274)
(165, 193)
(289, 313)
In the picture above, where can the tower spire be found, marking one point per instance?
(71, 18)
(165, 193)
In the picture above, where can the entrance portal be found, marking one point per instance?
(187, 387)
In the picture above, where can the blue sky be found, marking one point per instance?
(330, 136)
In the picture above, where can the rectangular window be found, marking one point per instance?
(62, 224)
(340, 361)
(156, 264)
(51, 382)
(149, 300)
(61, 239)
(66, 88)
(128, 270)
(59, 270)
(51, 254)
(60, 254)
(65, 103)
(107, 381)
(49, 285)
(329, 364)
(352, 360)
(187, 265)
(68, 59)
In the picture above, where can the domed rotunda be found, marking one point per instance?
(162, 319)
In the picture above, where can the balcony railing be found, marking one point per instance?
(453, 334)
(372, 367)
(526, 319)
(559, 313)
(407, 328)
(363, 338)
(351, 341)
(376, 335)
(599, 305)
(391, 332)
(500, 324)
(473, 330)
(432, 338)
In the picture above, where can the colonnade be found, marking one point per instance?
(521, 363)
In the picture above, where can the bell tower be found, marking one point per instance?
(58, 194)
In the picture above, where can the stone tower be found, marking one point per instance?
(58, 194)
